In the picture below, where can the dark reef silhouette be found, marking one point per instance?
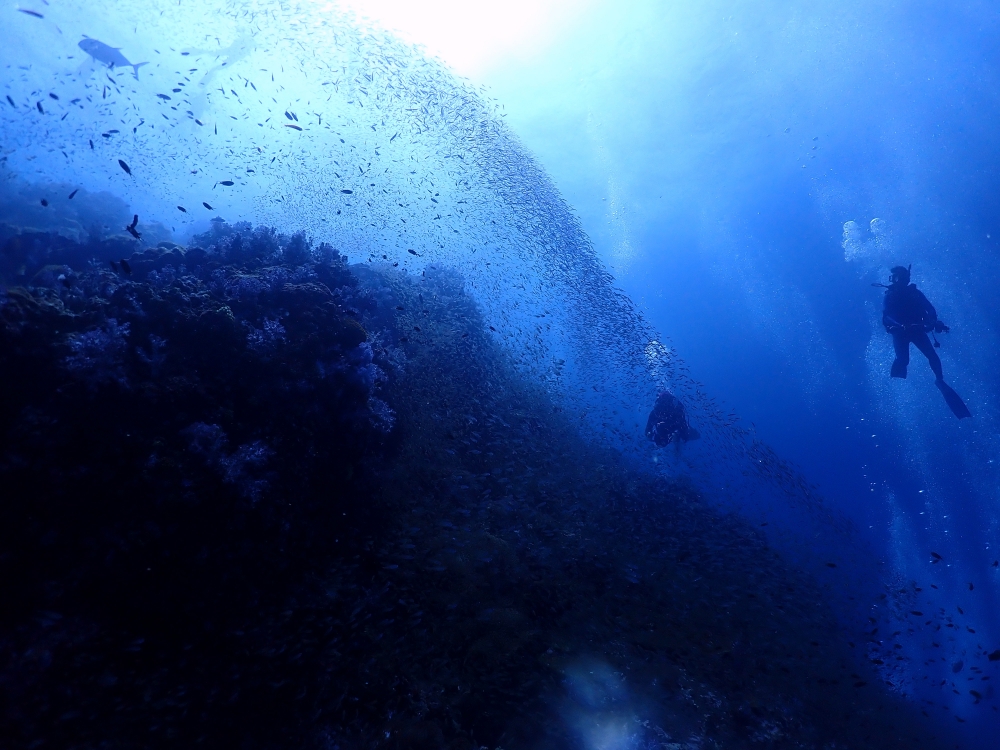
(257, 497)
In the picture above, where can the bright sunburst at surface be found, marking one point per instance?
(473, 38)
(329, 332)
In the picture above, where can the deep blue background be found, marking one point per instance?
(684, 136)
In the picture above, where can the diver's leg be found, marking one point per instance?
(923, 343)
(901, 343)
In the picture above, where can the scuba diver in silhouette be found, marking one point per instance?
(668, 423)
(909, 316)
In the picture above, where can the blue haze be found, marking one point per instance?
(715, 152)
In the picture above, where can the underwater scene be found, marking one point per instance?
(489, 376)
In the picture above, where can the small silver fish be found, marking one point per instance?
(110, 56)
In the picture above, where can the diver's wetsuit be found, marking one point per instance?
(907, 314)
(668, 421)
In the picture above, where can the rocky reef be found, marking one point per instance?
(257, 497)
(181, 430)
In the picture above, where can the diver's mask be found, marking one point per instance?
(900, 275)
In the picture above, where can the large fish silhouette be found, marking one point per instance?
(110, 56)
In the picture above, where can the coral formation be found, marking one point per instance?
(255, 496)
(177, 439)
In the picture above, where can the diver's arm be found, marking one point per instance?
(890, 323)
(887, 320)
(929, 313)
(930, 316)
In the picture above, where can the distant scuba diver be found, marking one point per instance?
(909, 316)
(668, 423)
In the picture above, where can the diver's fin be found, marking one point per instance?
(954, 401)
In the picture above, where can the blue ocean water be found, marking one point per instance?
(697, 198)
(748, 171)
